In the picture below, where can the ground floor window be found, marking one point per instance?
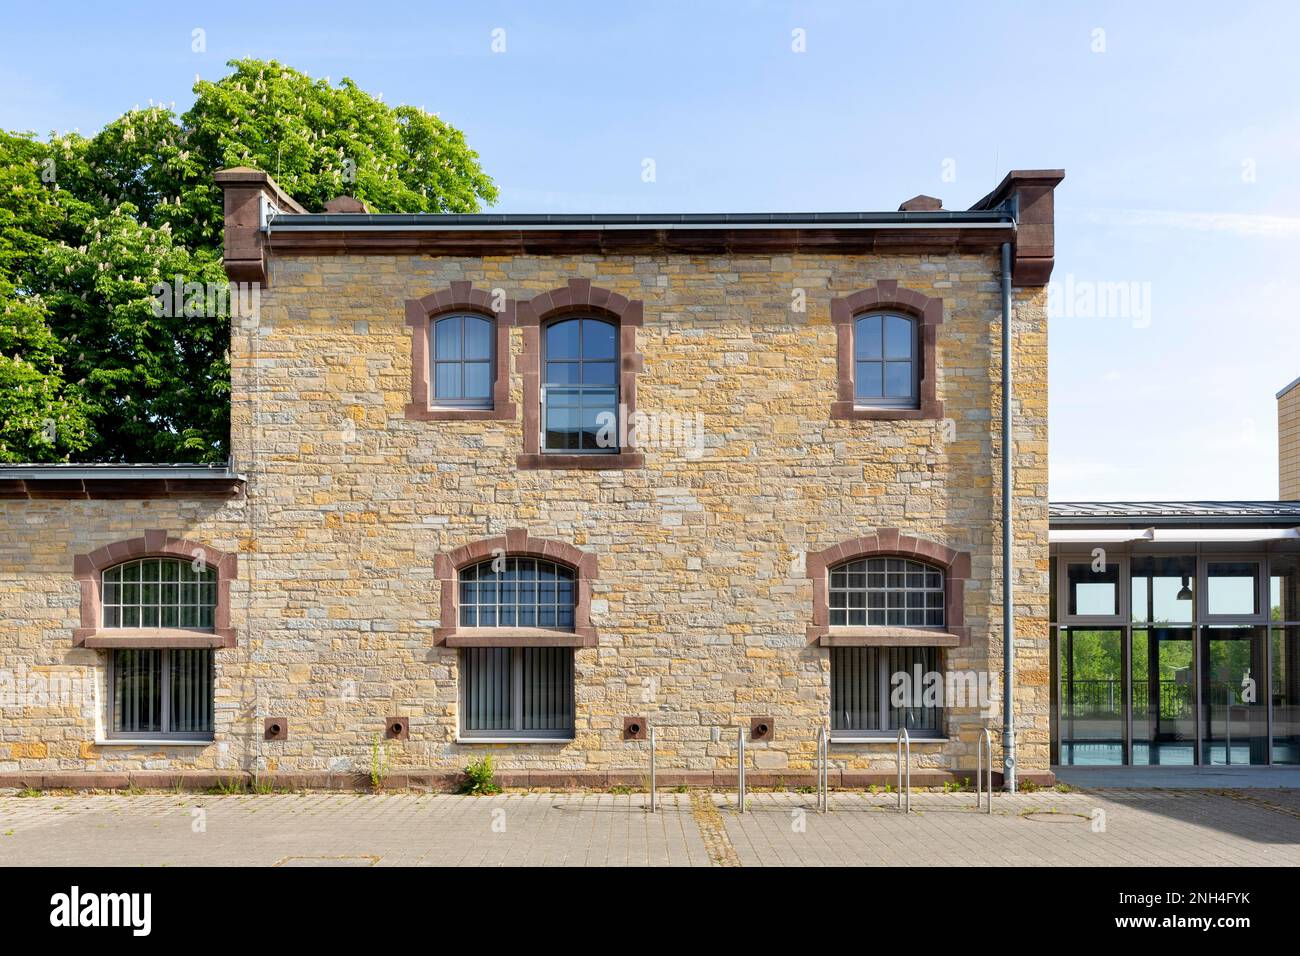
(164, 693)
(517, 692)
(1183, 695)
(877, 690)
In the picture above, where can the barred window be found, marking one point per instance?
(159, 592)
(896, 592)
(517, 592)
(162, 693)
(517, 692)
(877, 690)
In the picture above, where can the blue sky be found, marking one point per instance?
(1178, 126)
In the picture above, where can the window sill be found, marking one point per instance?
(848, 411)
(150, 742)
(471, 741)
(436, 413)
(154, 637)
(518, 637)
(888, 637)
(561, 462)
(886, 740)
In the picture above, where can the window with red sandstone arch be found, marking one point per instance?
(886, 341)
(516, 590)
(888, 589)
(460, 355)
(516, 607)
(155, 591)
(575, 373)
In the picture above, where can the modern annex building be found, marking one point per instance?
(1176, 633)
(503, 482)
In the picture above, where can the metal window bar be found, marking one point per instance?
(984, 744)
(904, 795)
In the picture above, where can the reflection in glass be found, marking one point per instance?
(1162, 589)
(1230, 587)
(1093, 593)
(1091, 696)
(580, 394)
(1285, 694)
(1284, 588)
(1164, 698)
(1234, 725)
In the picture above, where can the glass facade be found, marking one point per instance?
(1201, 667)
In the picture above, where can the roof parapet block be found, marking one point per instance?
(922, 203)
(1030, 192)
(251, 197)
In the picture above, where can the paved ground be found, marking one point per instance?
(1195, 778)
(1149, 828)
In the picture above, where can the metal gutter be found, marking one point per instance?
(480, 222)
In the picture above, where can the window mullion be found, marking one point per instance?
(517, 689)
(165, 683)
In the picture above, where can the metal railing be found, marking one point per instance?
(823, 769)
(740, 769)
(983, 745)
(904, 794)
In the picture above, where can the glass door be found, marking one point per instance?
(1090, 670)
(1164, 697)
(1234, 696)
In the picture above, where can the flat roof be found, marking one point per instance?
(120, 481)
(1187, 514)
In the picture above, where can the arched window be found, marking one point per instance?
(886, 592)
(517, 592)
(886, 366)
(580, 386)
(160, 593)
(461, 361)
(517, 692)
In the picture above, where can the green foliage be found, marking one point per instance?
(229, 786)
(379, 762)
(88, 370)
(479, 777)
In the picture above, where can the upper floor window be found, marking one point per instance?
(160, 592)
(874, 592)
(580, 395)
(886, 367)
(461, 360)
(517, 592)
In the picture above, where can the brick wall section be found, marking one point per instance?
(701, 604)
(1288, 444)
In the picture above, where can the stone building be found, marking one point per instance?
(501, 482)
